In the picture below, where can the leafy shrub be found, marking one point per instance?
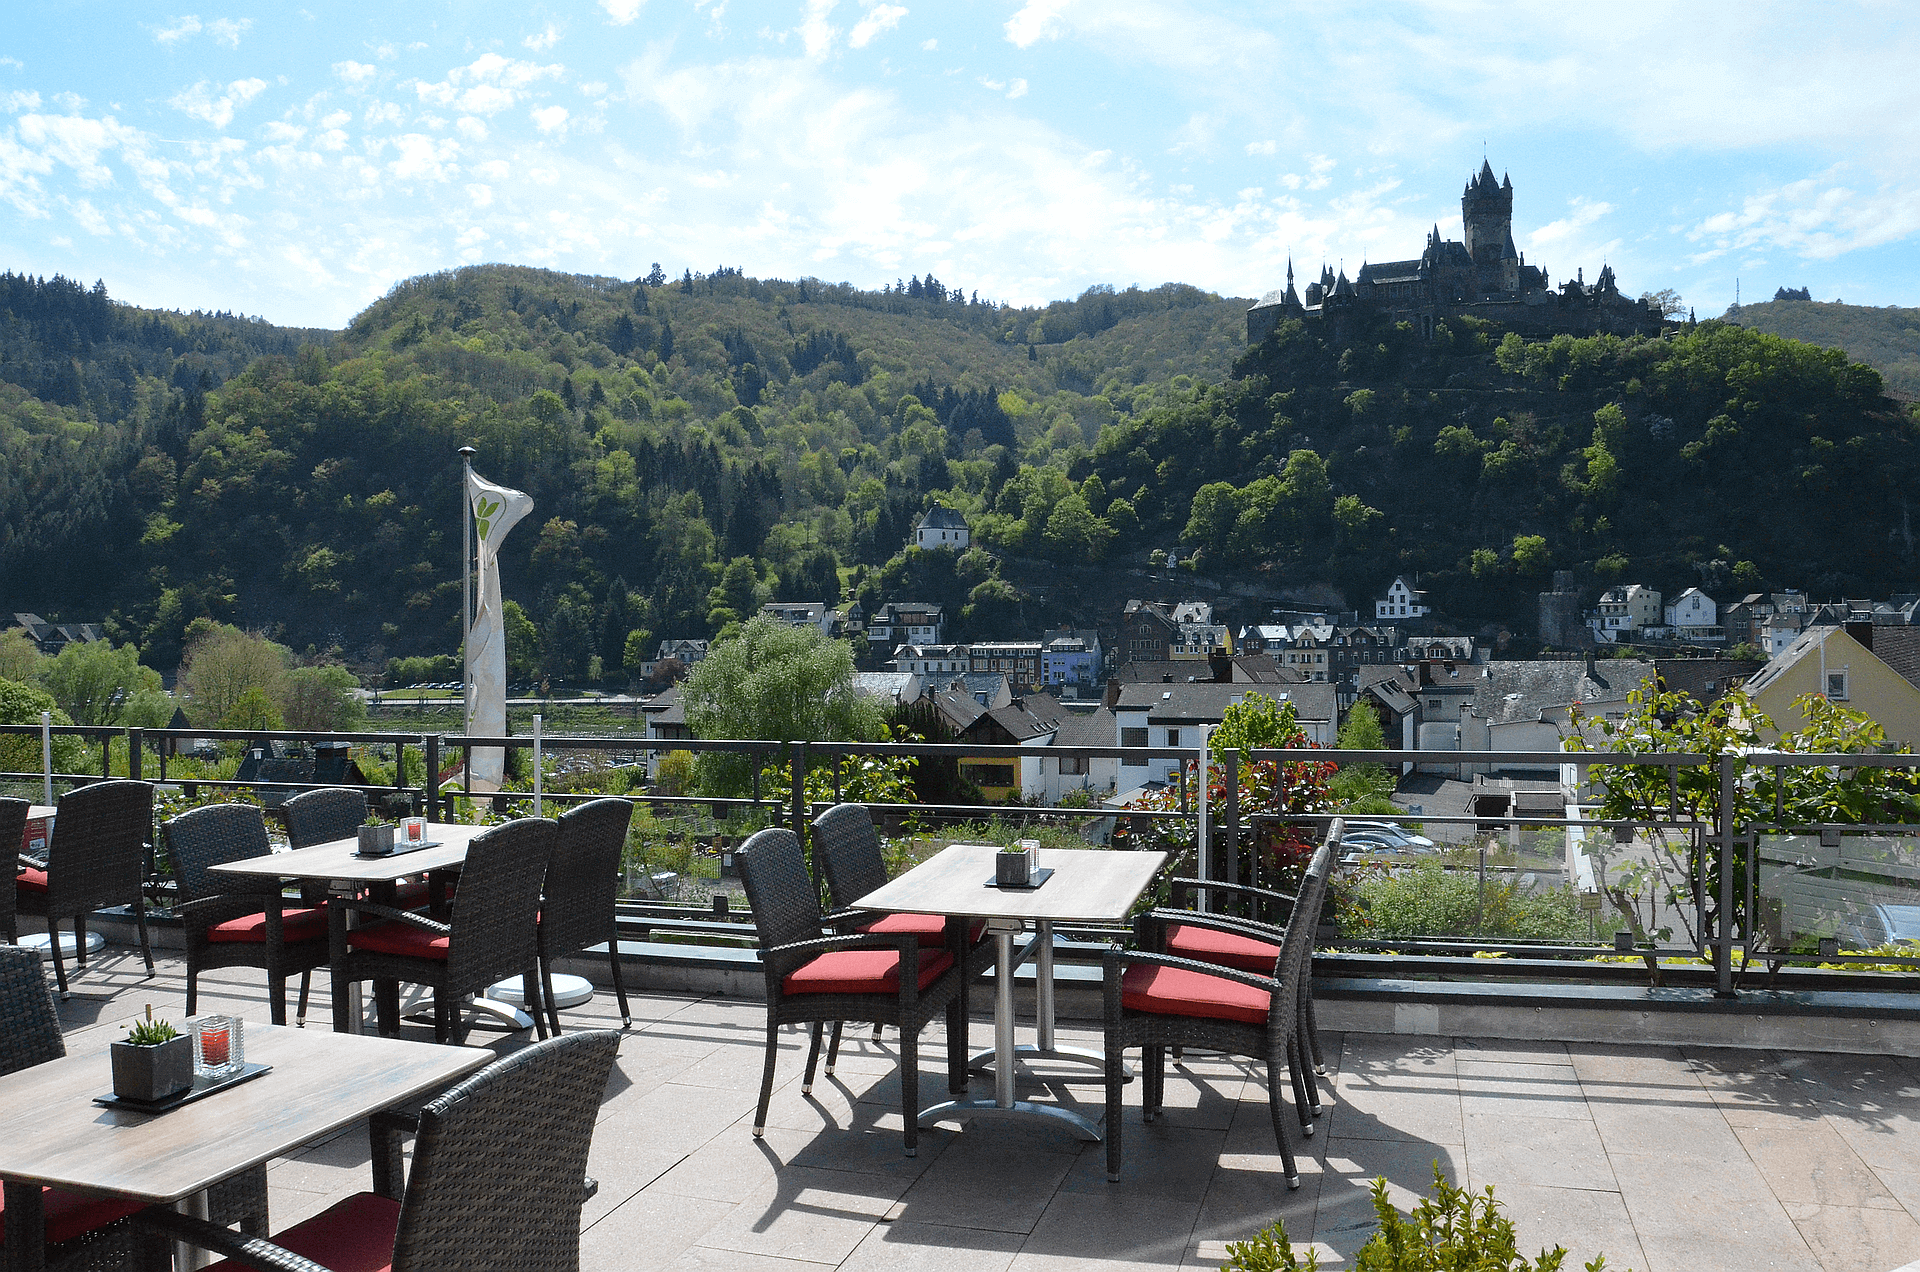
(1429, 900)
(1454, 1230)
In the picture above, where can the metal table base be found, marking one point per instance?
(1043, 1046)
(1005, 1055)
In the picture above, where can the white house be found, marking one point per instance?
(1623, 611)
(929, 660)
(804, 614)
(1693, 616)
(1170, 714)
(941, 528)
(1403, 600)
(906, 623)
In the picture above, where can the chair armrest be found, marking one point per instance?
(35, 862)
(845, 916)
(384, 1132)
(1180, 887)
(848, 941)
(1231, 924)
(255, 1252)
(396, 914)
(591, 1188)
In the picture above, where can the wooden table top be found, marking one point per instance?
(340, 859)
(321, 1081)
(1087, 886)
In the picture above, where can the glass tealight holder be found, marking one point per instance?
(414, 830)
(217, 1046)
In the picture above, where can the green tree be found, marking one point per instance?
(522, 641)
(20, 753)
(221, 665)
(736, 597)
(93, 681)
(777, 683)
(322, 698)
(20, 657)
(1074, 534)
(1530, 554)
(253, 709)
(634, 653)
(568, 646)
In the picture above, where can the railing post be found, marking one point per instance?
(1230, 759)
(106, 756)
(799, 778)
(399, 768)
(432, 802)
(135, 765)
(1723, 946)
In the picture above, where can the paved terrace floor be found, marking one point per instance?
(1665, 1159)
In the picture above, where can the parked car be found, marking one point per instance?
(1387, 832)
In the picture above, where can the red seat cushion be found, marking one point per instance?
(1209, 946)
(355, 1235)
(71, 1214)
(1175, 991)
(860, 972)
(931, 927)
(394, 937)
(31, 880)
(295, 925)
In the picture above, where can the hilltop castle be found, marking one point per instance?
(1484, 277)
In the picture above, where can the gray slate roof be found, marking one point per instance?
(1514, 691)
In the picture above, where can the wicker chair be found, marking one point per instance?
(583, 883)
(1154, 1001)
(489, 936)
(322, 816)
(79, 1231)
(498, 1181)
(13, 833)
(814, 977)
(1250, 943)
(846, 851)
(228, 924)
(97, 856)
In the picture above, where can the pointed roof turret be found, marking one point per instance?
(1486, 175)
(1342, 287)
(1506, 182)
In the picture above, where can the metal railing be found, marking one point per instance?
(1722, 890)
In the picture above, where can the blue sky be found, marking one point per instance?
(295, 163)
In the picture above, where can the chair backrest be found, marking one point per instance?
(29, 1023)
(97, 855)
(846, 849)
(786, 904)
(500, 1162)
(583, 877)
(213, 836)
(318, 817)
(1296, 946)
(499, 898)
(13, 834)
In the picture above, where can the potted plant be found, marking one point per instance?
(154, 1062)
(376, 838)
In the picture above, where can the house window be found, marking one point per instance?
(988, 774)
(1073, 766)
(1133, 737)
(1836, 686)
(1173, 737)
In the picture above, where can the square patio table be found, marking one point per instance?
(320, 1082)
(338, 864)
(1089, 886)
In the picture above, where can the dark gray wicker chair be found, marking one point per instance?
(229, 924)
(583, 885)
(97, 856)
(13, 833)
(322, 816)
(82, 1232)
(815, 977)
(498, 1181)
(846, 852)
(489, 936)
(1154, 1001)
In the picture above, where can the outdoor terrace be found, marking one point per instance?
(1661, 1157)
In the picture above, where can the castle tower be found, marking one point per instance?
(1486, 208)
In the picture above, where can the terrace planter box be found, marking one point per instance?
(152, 1073)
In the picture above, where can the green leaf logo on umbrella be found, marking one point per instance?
(483, 514)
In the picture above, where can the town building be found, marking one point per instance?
(1170, 715)
(906, 623)
(931, 660)
(1071, 658)
(1018, 660)
(1861, 666)
(1623, 611)
(1402, 601)
(941, 527)
(822, 618)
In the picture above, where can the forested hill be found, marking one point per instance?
(698, 446)
(1886, 339)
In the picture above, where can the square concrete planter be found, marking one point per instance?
(152, 1073)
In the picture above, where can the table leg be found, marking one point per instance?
(186, 1255)
(1044, 1047)
(346, 997)
(1004, 1103)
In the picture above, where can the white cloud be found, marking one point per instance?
(482, 195)
(208, 102)
(1585, 212)
(877, 20)
(17, 101)
(550, 119)
(815, 32)
(229, 30)
(424, 157)
(472, 129)
(385, 113)
(355, 73)
(1039, 20)
(180, 29)
(928, 46)
(280, 131)
(14, 62)
(487, 86)
(621, 12)
(1816, 218)
(545, 39)
(1017, 89)
(1262, 147)
(337, 119)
